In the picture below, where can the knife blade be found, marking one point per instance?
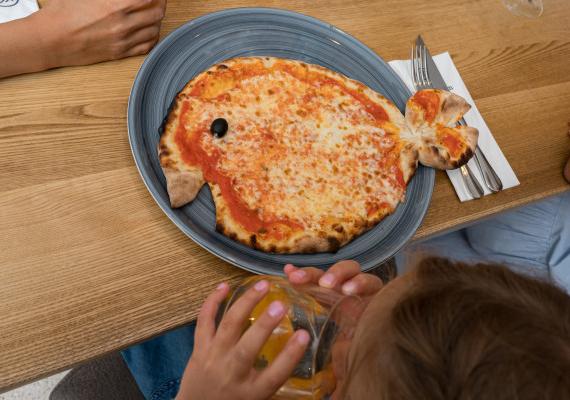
(492, 181)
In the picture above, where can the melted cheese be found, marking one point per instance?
(299, 150)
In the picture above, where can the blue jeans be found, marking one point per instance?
(158, 364)
(534, 240)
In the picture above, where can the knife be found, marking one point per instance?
(492, 181)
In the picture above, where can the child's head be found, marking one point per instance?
(451, 331)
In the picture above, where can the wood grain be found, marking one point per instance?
(88, 262)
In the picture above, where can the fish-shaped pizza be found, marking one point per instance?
(299, 158)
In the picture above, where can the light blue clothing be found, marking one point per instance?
(158, 364)
(534, 239)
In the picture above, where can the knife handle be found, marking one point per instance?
(471, 183)
(490, 177)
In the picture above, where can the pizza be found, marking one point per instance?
(301, 159)
(433, 115)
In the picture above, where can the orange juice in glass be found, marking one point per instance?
(329, 317)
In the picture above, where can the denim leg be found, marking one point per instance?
(534, 240)
(158, 364)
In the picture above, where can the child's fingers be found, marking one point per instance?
(252, 341)
(362, 285)
(299, 276)
(274, 376)
(206, 324)
(233, 323)
(339, 273)
(288, 268)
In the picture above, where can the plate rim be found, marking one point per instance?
(180, 30)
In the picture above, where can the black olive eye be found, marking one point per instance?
(219, 127)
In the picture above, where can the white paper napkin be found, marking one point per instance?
(15, 9)
(487, 142)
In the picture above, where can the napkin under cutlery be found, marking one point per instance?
(473, 117)
(15, 9)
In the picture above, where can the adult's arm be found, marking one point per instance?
(72, 32)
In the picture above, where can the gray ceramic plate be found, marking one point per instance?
(259, 31)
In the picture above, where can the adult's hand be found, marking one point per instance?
(90, 31)
(79, 32)
(344, 276)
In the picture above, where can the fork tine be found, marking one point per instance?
(421, 73)
(416, 61)
(424, 65)
(413, 65)
(425, 81)
(420, 63)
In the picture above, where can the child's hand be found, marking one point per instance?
(344, 276)
(221, 366)
(86, 32)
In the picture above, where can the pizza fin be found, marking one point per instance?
(182, 186)
(432, 116)
(453, 107)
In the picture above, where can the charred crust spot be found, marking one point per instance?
(253, 240)
(219, 227)
(310, 249)
(413, 164)
(267, 58)
(222, 66)
(232, 236)
(334, 243)
(272, 248)
(303, 65)
(465, 157)
(168, 118)
(169, 115)
(167, 163)
(338, 228)
(209, 72)
(270, 92)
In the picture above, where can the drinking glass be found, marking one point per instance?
(329, 317)
(525, 8)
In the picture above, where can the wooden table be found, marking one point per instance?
(88, 262)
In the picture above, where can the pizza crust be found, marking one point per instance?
(298, 242)
(182, 186)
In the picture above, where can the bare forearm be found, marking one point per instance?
(71, 32)
(24, 46)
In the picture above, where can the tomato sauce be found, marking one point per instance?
(194, 154)
(429, 102)
(448, 137)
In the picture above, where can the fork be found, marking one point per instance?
(421, 80)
